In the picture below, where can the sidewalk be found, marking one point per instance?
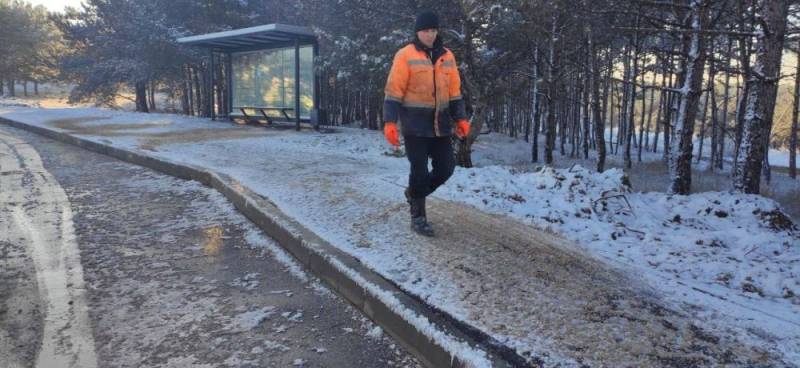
(533, 293)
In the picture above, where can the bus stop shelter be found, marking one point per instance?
(268, 70)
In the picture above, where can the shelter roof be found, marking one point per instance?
(264, 36)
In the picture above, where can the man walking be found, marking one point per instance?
(423, 91)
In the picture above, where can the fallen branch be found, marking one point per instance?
(642, 233)
(606, 195)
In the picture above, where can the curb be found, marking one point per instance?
(377, 298)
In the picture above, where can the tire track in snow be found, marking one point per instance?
(41, 216)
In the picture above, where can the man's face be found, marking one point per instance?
(427, 36)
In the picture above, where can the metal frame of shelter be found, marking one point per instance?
(265, 37)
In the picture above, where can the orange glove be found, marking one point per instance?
(462, 128)
(390, 132)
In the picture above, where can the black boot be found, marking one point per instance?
(419, 223)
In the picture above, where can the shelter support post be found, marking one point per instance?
(317, 81)
(210, 89)
(297, 82)
(228, 84)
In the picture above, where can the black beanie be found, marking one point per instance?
(426, 20)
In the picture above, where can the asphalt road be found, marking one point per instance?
(107, 264)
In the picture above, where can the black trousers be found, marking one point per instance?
(418, 150)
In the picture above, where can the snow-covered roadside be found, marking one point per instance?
(743, 242)
(737, 249)
(656, 228)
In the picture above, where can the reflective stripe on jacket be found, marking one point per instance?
(424, 96)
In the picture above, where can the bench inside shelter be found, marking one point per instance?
(284, 111)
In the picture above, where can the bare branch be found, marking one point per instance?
(663, 4)
(645, 86)
(705, 31)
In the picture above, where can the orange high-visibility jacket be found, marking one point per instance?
(425, 96)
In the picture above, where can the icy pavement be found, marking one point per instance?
(174, 275)
(36, 212)
(647, 284)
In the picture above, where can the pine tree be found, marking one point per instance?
(771, 16)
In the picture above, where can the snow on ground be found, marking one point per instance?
(649, 175)
(250, 319)
(735, 254)
(777, 157)
(489, 145)
(781, 158)
(742, 242)
(736, 247)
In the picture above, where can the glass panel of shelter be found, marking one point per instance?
(266, 79)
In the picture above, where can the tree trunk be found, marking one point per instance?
(12, 88)
(723, 124)
(703, 126)
(626, 118)
(741, 105)
(219, 86)
(152, 100)
(537, 127)
(35, 88)
(623, 115)
(187, 87)
(793, 132)
(585, 115)
(575, 118)
(597, 117)
(550, 126)
(770, 29)
(184, 97)
(672, 109)
(222, 103)
(535, 106)
(642, 120)
(668, 117)
(549, 131)
(709, 99)
(463, 150)
(611, 119)
(662, 101)
(199, 91)
(528, 118)
(766, 169)
(510, 112)
(606, 84)
(193, 98)
(197, 95)
(714, 130)
(631, 129)
(563, 119)
(25, 88)
(680, 163)
(141, 96)
(649, 118)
